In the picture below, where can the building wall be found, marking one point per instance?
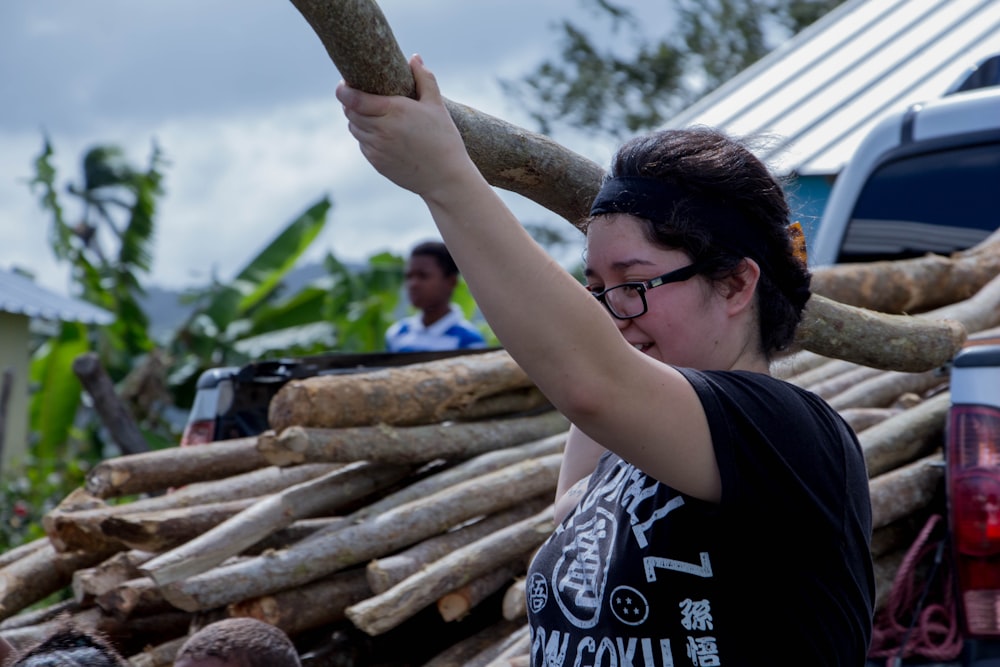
(14, 343)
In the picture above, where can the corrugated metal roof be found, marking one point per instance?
(20, 296)
(819, 93)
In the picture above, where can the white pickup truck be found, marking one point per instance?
(927, 179)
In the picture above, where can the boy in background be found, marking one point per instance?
(431, 278)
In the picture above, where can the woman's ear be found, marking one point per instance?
(741, 286)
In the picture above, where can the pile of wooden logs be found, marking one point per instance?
(388, 516)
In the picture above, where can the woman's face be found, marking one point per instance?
(683, 321)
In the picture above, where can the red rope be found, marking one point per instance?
(934, 634)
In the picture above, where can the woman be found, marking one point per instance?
(724, 517)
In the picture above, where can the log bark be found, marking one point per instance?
(90, 582)
(886, 568)
(462, 652)
(515, 402)
(472, 469)
(40, 574)
(906, 437)
(362, 46)
(843, 381)
(791, 364)
(162, 469)
(908, 285)
(515, 647)
(977, 313)
(133, 597)
(70, 529)
(327, 493)
(384, 573)
(383, 612)
(897, 535)
(860, 419)
(326, 553)
(457, 604)
(427, 393)
(310, 606)
(880, 340)
(161, 655)
(880, 390)
(905, 490)
(20, 551)
(112, 410)
(515, 603)
(159, 531)
(821, 373)
(409, 445)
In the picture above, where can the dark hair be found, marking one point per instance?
(707, 165)
(439, 251)
(69, 646)
(254, 643)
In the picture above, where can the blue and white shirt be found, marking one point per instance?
(451, 332)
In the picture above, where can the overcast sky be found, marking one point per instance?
(238, 94)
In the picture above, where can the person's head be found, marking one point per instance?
(697, 197)
(238, 642)
(69, 646)
(431, 276)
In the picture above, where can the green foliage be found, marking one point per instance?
(594, 87)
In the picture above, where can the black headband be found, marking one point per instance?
(657, 200)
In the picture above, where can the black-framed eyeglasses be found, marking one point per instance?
(628, 300)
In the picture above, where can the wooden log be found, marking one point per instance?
(132, 635)
(326, 493)
(822, 372)
(325, 553)
(417, 394)
(462, 472)
(310, 606)
(133, 597)
(905, 490)
(794, 363)
(516, 646)
(461, 652)
(910, 435)
(40, 574)
(384, 573)
(409, 445)
(869, 338)
(112, 411)
(387, 610)
(979, 312)
(90, 582)
(22, 550)
(886, 568)
(514, 402)
(161, 655)
(908, 285)
(514, 606)
(162, 530)
(882, 389)
(173, 467)
(38, 615)
(861, 418)
(352, 31)
(457, 604)
(26, 637)
(843, 381)
(509, 157)
(70, 529)
(899, 534)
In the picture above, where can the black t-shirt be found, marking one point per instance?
(778, 573)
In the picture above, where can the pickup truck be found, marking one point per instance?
(926, 179)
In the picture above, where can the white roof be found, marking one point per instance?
(818, 94)
(21, 296)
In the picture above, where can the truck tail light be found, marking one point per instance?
(973, 488)
(198, 432)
